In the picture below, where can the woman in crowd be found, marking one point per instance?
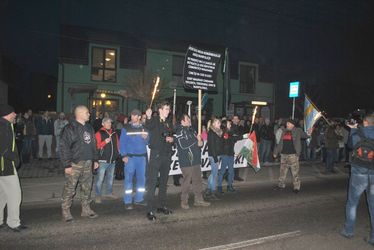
(228, 141)
(214, 151)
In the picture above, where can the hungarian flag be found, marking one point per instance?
(249, 151)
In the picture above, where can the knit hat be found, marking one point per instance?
(5, 110)
(136, 112)
(292, 121)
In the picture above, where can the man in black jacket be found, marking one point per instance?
(189, 155)
(10, 190)
(78, 152)
(161, 141)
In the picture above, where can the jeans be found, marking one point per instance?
(26, 148)
(330, 158)
(212, 180)
(227, 161)
(362, 179)
(265, 149)
(105, 170)
(135, 166)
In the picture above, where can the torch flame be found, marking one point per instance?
(154, 90)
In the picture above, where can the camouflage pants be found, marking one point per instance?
(289, 162)
(82, 174)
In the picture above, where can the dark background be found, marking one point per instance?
(326, 45)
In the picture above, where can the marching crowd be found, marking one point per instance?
(86, 150)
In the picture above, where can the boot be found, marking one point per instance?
(66, 215)
(231, 189)
(87, 212)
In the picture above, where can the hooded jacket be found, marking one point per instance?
(9, 158)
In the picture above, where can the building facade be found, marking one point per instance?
(113, 72)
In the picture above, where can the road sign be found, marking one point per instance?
(294, 89)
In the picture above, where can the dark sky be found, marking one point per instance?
(327, 45)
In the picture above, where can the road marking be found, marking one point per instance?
(257, 241)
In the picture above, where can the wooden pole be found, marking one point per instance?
(199, 113)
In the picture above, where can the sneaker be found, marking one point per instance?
(111, 196)
(345, 234)
(18, 229)
(201, 203)
(238, 178)
(151, 216)
(231, 189)
(140, 203)
(278, 188)
(185, 205)
(164, 210)
(129, 207)
(98, 199)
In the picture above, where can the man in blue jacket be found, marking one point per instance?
(362, 177)
(133, 147)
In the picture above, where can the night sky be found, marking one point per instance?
(326, 45)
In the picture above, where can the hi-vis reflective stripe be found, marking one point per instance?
(13, 147)
(128, 191)
(141, 189)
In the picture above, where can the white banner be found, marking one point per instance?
(239, 162)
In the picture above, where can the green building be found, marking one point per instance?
(114, 72)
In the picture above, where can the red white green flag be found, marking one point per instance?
(250, 153)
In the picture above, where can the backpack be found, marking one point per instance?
(363, 151)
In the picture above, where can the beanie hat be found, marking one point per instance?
(5, 110)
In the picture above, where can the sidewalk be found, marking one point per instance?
(42, 181)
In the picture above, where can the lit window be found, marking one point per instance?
(103, 64)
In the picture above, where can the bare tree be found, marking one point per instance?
(139, 86)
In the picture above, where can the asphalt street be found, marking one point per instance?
(256, 217)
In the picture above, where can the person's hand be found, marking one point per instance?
(107, 140)
(125, 159)
(148, 113)
(144, 136)
(96, 165)
(352, 125)
(169, 139)
(69, 171)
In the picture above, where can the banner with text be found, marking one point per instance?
(240, 161)
(200, 69)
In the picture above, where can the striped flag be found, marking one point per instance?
(311, 115)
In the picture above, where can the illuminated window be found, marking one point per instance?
(104, 64)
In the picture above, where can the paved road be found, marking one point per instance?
(256, 217)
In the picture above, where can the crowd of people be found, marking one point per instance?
(98, 147)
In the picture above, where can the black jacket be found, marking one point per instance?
(159, 130)
(8, 151)
(267, 132)
(71, 143)
(108, 152)
(189, 153)
(215, 145)
(229, 139)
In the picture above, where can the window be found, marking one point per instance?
(247, 78)
(178, 63)
(104, 64)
